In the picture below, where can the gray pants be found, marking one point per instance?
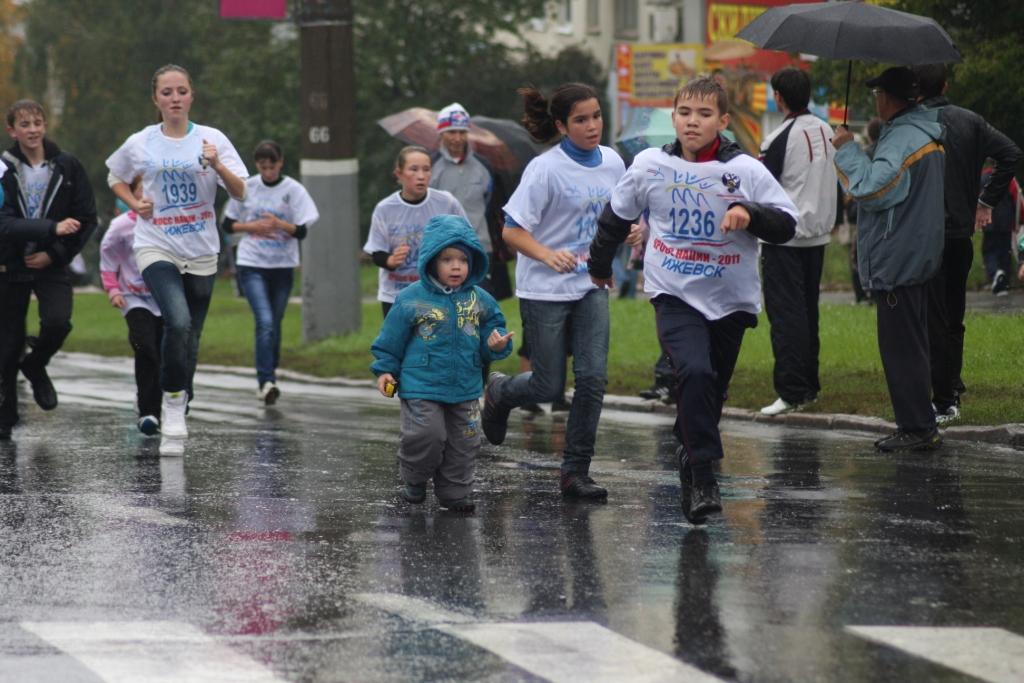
(440, 441)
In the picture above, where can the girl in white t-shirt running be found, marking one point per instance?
(550, 220)
(176, 236)
(396, 228)
(275, 215)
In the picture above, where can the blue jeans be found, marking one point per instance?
(267, 290)
(550, 327)
(183, 301)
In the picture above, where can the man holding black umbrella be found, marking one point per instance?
(899, 244)
(969, 140)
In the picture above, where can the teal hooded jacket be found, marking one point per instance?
(434, 339)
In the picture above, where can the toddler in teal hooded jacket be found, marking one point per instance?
(434, 341)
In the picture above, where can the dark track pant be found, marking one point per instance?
(792, 279)
(145, 332)
(902, 318)
(703, 354)
(54, 294)
(947, 302)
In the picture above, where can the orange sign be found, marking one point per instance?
(649, 74)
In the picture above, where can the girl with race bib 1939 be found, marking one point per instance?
(550, 221)
(396, 228)
(176, 236)
(275, 215)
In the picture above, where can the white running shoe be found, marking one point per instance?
(779, 407)
(173, 421)
(269, 393)
(172, 446)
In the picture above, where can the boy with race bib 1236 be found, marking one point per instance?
(709, 203)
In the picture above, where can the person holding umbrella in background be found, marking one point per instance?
(899, 244)
(968, 141)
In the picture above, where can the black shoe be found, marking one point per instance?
(901, 440)
(577, 485)
(705, 500)
(531, 408)
(414, 493)
(656, 393)
(686, 489)
(42, 387)
(560, 405)
(5, 432)
(494, 418)
(459, 505)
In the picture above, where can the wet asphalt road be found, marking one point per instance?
(276, 550)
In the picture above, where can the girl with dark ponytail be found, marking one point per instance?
(550, 221)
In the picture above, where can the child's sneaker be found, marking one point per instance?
(269, 393)
(414, 493)
(1000, 284)
(173, 422)
(950, 414)
(149, 425)
(460, 505)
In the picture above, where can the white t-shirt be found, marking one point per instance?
(559, 201)
(184, 221)
(289, 201)
(687, 254)
(34, 181)
(396, 222)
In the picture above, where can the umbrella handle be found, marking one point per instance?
(849, 75)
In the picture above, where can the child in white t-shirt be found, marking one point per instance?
(274, 216)
(550, 221)
(396, 227)
(709, 203)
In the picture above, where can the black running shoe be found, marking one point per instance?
(581, 486)
(42, 388)
(459, 505)
(705, 499)
(901, 440)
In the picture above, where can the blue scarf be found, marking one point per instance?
(591, 159)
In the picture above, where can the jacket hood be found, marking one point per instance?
(444, 231)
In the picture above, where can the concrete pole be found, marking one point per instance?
(331, 300)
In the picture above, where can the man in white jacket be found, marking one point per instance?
(800, 157)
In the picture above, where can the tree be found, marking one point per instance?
(10, 41)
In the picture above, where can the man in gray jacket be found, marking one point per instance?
(899, 244)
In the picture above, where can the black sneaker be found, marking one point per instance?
(560, 405)
(901, 440)
(494, 418)
(42, 388)
(414, 493)
(656, 393)
(531, 408)
(581, 486)
(1000, 284)
(705, 499)
(458, 505)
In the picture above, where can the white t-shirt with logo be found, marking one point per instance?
(289, 201)
(34, 180)
(559, 201)
(687, 254)
(396, 222)
(184, 223)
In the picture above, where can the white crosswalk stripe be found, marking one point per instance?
(989, 654)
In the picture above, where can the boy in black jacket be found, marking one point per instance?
(48, 214)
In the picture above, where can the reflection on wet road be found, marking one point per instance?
(278, 550)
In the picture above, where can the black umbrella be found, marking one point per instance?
(852, 30)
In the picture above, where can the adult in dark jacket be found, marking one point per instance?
(968, 141)
(43, 187)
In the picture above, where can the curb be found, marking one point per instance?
(1011, 435)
